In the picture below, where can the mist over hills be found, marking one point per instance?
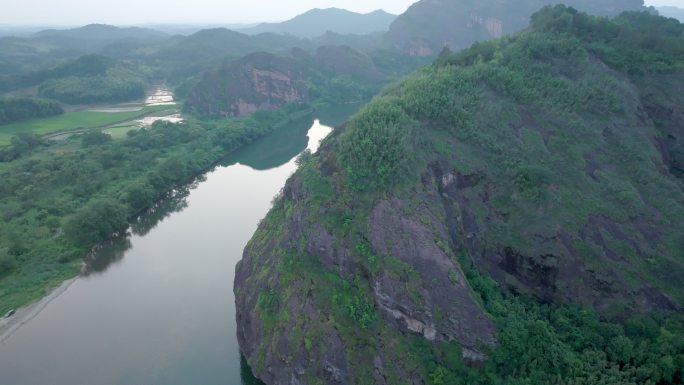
(429, 25)
(316, 22)
(677, 13)
(101, 32)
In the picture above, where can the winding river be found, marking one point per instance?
(157, 307)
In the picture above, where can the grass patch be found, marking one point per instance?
(119, 132)
(71, 121)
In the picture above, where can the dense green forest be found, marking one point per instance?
(84, 80)
(14, 109)
(93, 79)
(116, 85)
(58, 200)
(511, 214)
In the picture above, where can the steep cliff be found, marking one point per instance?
(510, 214)
(333, 74)
(429, 25)
(259, 80)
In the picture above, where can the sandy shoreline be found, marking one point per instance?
(25, 314)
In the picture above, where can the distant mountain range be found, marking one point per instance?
(102, 32)
(189, 29)
(677, 13)
(317, 22)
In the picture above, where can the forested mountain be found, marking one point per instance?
(677, 13)
(99, 38)
(316, 22)
(84, 80)
(336, 74)
(212, 45)
(93, 79)
(511, 214)
(259, 80)
(26, 61)
(429, 25)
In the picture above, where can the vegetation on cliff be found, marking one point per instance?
(518, 205)
(334, 75)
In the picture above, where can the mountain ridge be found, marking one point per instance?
(101, 32)
(429, 25)
(317, 21)
(509, 214)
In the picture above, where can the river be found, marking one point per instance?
(157, 306)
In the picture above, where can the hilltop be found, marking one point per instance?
(316, 22)
(101, 32)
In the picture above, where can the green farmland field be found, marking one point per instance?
(71, 121)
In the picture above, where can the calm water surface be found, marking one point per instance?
(158, 306)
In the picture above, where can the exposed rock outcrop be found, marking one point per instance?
(336, 74)
(423, 292)
(257, 81)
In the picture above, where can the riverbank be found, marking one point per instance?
(157, 305)
(41, 249)
(9, 325)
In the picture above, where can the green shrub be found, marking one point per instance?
(96, 222)
(377, 148)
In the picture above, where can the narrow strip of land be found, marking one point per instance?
(78, 120)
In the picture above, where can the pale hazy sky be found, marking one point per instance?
(129, 12)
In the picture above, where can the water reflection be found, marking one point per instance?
(272, 151)
(114, 250)
(275, 149)
(287, 141)
(175, 201)
(334, 116)
(107, 255)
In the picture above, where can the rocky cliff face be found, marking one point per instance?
(554, 176)
(321, 328)
(430, 25)
(257, 81)
(335, 74)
